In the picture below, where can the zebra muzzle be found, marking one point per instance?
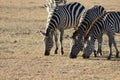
(72, 56)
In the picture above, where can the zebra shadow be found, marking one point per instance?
(113, 58)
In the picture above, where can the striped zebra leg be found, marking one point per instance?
(112, 41)
(56, 42)
(115, 45)
(111, 37)
(117, 52)
(100, 45)
(61, 39)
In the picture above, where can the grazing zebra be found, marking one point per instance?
(51, 4)
(77, 38)
(108, 23)
(63, 17)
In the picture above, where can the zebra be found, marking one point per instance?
(78, 35)
(63, 17)
(51, 4)
(108, 23)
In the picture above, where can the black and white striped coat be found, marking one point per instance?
(108, 23)
(63, 17)
(77, 38)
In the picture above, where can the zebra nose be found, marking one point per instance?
(72, 56)
(47, 53)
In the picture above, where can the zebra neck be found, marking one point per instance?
(50, 32)
(82, 29)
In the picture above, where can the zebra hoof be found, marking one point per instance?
(95, 55)
(55, 52)
(47, 53)
(108, 58)
(117, 55)
(62, 52)
(99, 52)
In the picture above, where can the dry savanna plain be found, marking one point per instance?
(22, 47)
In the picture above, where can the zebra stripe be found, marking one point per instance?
(108, 23)
(77, 42)
(63, 17)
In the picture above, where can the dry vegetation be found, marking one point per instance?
(22, 49)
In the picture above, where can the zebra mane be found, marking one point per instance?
(103, 16)
(83, 17)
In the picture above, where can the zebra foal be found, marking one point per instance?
(63, 17)
(77, 38)
(108, 23)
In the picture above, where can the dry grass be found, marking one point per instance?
(22, 49)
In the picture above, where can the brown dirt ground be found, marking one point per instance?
(22, 48)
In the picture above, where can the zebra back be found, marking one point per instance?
(93, 23)
(65, 16)
(87, 19)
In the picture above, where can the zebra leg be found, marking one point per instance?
(95, 55)
(61, 38)
(100, 45)
(111, 37)
(117, 52)
(56, 42)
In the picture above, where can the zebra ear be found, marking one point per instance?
(43, 33)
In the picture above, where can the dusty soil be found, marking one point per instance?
(22, 48)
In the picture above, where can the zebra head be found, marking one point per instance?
(48, 40)
(77, 45)
(88, 48)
